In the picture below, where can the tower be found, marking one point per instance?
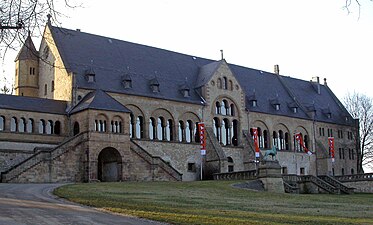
(27, 70)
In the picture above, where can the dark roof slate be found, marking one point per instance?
(111, 58)
(31, 104)
(99, 100)
(28, 51)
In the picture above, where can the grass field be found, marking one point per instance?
(213, 202)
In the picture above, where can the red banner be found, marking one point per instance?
(202, 137)
(299, 139)
(331, 148)
(256, 142)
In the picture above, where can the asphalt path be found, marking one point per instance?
(35, 204)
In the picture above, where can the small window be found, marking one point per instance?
(191, 167)
(254, 103)
(284, 170)
(45, 89)
(302, 171)
(277, 107)
(2, 123)
(52, 86)
(295, 110)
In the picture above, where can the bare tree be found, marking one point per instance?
(360, 107)
(18, 17)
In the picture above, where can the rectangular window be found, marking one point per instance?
(302, 171)
(284, 170)
(191, 167)
(343, 153)
(340, 153)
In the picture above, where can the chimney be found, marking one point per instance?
(277, 69)
(316, 80)
(326, 84)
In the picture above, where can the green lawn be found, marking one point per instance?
(217, 202)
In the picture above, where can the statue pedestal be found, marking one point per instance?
(269, 172)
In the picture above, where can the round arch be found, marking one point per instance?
(109, 168)
(230, 101)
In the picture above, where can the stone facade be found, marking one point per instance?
(157, 138)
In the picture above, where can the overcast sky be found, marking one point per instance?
(306, 38)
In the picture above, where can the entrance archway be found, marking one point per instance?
(109, 165)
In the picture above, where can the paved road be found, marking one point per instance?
(34, 204)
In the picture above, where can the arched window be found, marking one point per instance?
(96, 125)
(232, 110)
(188, 132)
(225, 83)
(275, 140)
(160, 129)
(169, 130)
(45, 89)
(57, 127)
(266, 138)
(22, 125)
(219, 83)
(297, 145)
(230, 85)
(217, 108)
(181, 131)
(132, 125)
(235, 132)
(216, 125)
(52, 86)
(102, 126)
(13, 124)
(281, 140)
(306, 141)
(352, 172)
(30, 126)
(225, 108)
(41, 126)
(260, 138)
(76, 129)
(152, 128)
(197, 138)
(287, 141)
(49, 127)
(2, 123)
(139, 127)
(224, 132)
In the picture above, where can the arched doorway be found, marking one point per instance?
(109, 165)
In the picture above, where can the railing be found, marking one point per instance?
(41, 155)
(155, 160)
(239, 175)
(291, 188)
(320, 183)
(291, 178)
(337, 184)
(355, 177)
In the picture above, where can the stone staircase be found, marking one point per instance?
(156, 162)
(344, 189)
(41, 155)
(325, 183)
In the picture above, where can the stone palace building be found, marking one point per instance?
(89, 108)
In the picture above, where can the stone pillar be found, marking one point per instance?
(269, 172)
(92, 173)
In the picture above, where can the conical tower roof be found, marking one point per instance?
(28, 50)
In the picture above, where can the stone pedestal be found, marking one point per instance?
(269, 172)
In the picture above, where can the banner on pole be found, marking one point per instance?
(202, 137)
(299, 139)
(256, 142)
(331, 148)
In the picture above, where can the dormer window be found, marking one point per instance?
(185, 89)
(327, 113)
(90, 75)
(277, 107)
(154, 85)
(254, 103)
(293, 106)
(127, 81)
(276, 103)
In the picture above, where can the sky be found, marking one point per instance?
(306, 38)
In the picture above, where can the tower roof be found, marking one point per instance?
(28, 50)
